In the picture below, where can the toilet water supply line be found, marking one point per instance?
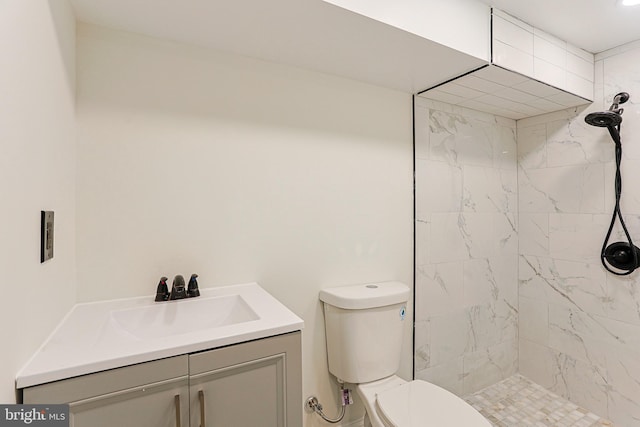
(314, 405)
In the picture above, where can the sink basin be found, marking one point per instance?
(101, 335)
(183, 316)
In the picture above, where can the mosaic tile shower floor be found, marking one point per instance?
(518, 402)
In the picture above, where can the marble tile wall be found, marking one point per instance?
(579, 326)
(467, 247)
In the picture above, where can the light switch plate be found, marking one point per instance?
(46, 235)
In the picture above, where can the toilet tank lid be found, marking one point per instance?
(368, 295)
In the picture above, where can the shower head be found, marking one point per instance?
(603, 119)
(610, 118)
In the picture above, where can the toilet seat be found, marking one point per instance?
(419, 403)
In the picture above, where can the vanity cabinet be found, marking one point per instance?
(256, 383)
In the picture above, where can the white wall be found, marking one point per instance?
(196, 161)
(37, 172)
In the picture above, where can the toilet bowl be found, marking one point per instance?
(394, 402)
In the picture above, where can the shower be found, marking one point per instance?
(611, 117)
(623, 256)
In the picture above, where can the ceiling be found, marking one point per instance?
(593, 25)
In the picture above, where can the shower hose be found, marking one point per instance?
(615, 134)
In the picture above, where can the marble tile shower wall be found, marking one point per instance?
(467, 247)
(579, 326)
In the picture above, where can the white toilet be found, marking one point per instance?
(364, 327)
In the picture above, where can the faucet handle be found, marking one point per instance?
(178, 288)
(192, 289)
(162, 291)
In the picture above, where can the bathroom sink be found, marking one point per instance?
(183, 316)
(102, 335)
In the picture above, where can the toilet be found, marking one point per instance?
(364, 327)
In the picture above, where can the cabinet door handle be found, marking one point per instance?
(176, 399)
(201, 397)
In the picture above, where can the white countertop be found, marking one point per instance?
(88, 339)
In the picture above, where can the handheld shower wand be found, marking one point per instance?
(623, 256)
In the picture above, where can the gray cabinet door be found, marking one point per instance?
(142, 395)
(254, 384)
(154, 405)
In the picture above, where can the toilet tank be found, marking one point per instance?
(364, 326)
